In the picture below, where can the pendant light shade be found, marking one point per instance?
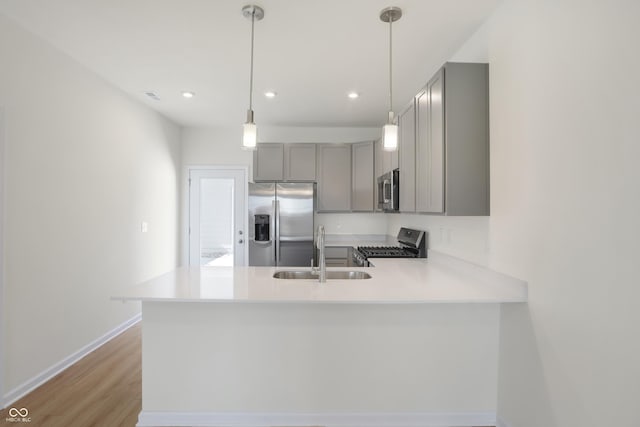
(390, 130)
(249, 136)
(390, 137)
(249, 129)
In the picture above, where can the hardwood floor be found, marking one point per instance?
(102, 389)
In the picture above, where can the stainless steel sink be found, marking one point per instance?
(331, 275)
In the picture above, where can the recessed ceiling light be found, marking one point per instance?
(188, 94)
(270, 94)
(353, 95)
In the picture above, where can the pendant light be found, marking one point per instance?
(249, 131)
(390, 130)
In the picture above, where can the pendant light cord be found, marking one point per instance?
(390, 68)
(253, 18)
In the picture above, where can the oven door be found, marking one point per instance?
(357, 259)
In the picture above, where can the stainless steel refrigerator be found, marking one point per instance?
(281, 223)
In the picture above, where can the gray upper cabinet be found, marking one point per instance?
(430, 147)
(452, 142)
(362, 160)
(344, 172)
(334, 177)
(378, 168)
(284, 162)
(300, 162)
(268, 162)
(407, 158)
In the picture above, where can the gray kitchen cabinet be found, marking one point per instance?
(334, 177)
(284, 162)
(268, 162)
(407, 158)
(430, 147)
(362, 177)
(452, 142)
(377, 169)
(300, 162)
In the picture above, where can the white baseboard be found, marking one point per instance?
(54, 370)
(502, 423)
(231, 419)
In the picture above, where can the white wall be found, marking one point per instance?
(353, 223)
(214, 146)
(318, 134)
(565, 207)
(84, 166)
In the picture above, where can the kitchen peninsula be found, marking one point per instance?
(416, 344)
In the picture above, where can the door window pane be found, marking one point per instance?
(216, 221)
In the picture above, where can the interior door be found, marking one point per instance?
(217, 220)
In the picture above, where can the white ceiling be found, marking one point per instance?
(312, 53)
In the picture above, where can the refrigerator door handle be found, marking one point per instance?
(276, 230)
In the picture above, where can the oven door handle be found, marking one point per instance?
(386, 195)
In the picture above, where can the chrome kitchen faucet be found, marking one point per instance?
(321, 269)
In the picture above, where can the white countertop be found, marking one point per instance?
(437, 279)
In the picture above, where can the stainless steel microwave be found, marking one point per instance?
(389, 191)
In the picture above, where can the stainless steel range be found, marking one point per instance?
(412, 245)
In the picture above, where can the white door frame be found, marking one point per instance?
(184, 250)
(3, 168)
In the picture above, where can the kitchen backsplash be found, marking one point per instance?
(462, 237)
(353, 223)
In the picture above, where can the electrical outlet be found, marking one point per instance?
(144, 226)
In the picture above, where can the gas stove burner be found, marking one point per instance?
(413, 245)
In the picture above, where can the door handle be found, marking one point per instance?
(277, 221)
(272, 233)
